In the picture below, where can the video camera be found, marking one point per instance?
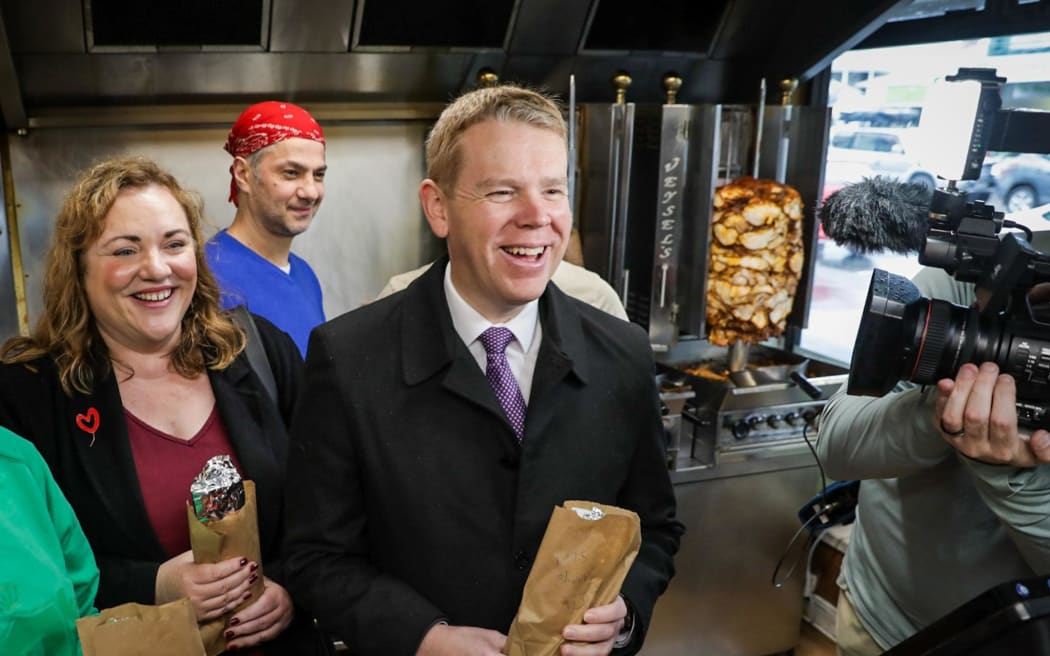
(904, 336)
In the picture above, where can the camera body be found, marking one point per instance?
(904, 336)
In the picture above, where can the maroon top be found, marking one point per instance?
(166, 466)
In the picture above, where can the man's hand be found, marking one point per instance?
(976, 415)
(444, 640)
(599, 631)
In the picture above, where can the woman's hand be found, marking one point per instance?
(213, 589)
(263, 621)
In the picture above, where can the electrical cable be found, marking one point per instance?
(1007, 223)
(808, 588)
(820, 465)
(805, 526)
(824, 509)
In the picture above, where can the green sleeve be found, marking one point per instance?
(79, 560)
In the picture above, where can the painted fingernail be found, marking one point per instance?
(253, 578)
(244, 561)
(228, 635)
(235, 621)
(247, 595)
(254, 566)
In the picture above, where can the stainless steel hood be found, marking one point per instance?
(61, 54)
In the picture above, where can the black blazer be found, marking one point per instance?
(100, 480)
(409, 499)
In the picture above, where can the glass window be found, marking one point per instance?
(892, 82)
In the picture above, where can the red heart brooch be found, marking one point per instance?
(88, 422)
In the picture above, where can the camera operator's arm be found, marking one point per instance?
(981, 401)
(891, 436)
(888, 437)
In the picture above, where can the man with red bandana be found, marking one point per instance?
(277, 184)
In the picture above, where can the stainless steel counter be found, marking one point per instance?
(742, 470)
(739, 517)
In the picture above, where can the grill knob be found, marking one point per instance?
(792, 418)
(741, 429)
(774, 421)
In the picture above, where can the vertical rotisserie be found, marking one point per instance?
(756, 260)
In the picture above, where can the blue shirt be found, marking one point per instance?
(291, 301)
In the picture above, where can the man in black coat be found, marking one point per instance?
(418, 490)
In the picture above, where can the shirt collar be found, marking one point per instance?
(469, 324)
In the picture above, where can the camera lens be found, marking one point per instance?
(884, 345)
(904, 336)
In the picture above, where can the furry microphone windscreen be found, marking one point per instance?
(878, 214)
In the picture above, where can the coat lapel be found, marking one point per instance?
(250, 421)
(109, 464)
(562, 355)
(430, 343)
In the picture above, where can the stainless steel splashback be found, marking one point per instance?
(8, 304)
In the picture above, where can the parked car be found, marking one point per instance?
(856, 153)
(984, 185)
(883, 117)
(1023, 181)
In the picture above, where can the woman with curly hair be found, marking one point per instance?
(132, 379)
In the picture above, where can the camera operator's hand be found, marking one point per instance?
(976, 415)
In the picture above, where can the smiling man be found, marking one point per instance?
(277, 184)
(441, 425)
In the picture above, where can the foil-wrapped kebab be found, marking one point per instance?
(217, 490)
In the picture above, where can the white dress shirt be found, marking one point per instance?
(521, 352)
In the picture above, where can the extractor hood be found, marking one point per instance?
(92, 53)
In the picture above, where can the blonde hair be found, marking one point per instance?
(66, 330)
(506, 102)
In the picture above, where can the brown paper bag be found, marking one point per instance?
(140, 630)
(582, 562)
(236, 534)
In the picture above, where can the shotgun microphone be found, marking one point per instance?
(878, 214)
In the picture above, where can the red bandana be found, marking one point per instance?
(264, 124)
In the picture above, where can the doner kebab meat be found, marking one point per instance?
(756, 260)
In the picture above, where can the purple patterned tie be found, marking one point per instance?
(497, 370)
